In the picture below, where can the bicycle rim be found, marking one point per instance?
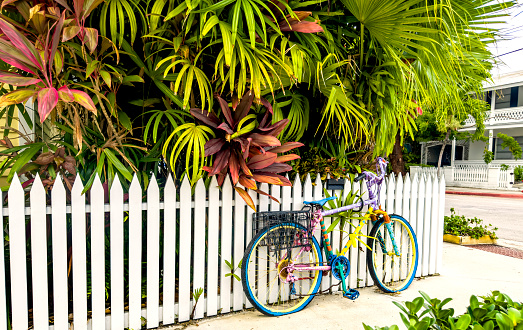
(392, 272)
(263, 270)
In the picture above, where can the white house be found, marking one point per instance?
(505, 95)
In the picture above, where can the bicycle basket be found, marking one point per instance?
(285, 235)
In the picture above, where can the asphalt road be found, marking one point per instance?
(504, 213)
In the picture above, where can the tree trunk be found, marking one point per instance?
(397, 163)
(445, 142)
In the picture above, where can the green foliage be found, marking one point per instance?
(340, 219)
(495, 311)
(233, 269)
(196, 296)
(461, 226)
(518, 173)
(504, 167)
(488, 156)
(512, 145)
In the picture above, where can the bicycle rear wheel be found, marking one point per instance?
(392, 272)
(264, 272)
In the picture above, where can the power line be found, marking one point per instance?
(517, 50)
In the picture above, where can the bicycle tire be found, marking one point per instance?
(390, 272)
(259, 276)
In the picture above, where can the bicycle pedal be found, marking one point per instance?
(351, 294)
(293, 289)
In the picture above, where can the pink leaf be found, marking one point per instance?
(47, 100)
(56, 39)
(83, 99)
(21, 42)
(17, 80)
(65, 94)
(15, 97)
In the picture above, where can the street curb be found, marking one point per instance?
(448, 192)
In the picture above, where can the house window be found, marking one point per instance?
(505, 153)
(503, 98)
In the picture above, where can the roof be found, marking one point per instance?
(504, 80)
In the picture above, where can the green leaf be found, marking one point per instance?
(114, 161)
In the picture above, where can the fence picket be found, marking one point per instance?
(79, 256)
(153, 252)
(307, 197)
(98, 254)
(441, 193)
(248, 233)
(117, 244)
(39, 255)
(419, 224)
(398, 209)
(59, 242)
(426, 227)
(212, 247)
(353, 253)
(273, 267)
(406, 213)
(362, 254)
(239, 231)
(434, 226)
(226, 246)
(390, 208)
(199, 244)
(135, 254)
(184, 256)
(261, 282)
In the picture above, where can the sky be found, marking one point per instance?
(510, 50)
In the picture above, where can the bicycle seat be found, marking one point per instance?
(320, 202)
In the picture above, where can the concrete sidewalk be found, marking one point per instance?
(466, 271)
(515, 193)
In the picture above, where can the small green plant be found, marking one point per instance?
(488, 156)
(504, 167)
(495, 311)
(461, 226)
(518, 173)
(233, 269)
(196, 296)
(341, 218)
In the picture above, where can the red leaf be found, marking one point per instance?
(226, 111)
(21, 43)
(246, 197)
(205, 117)
(65, 94)
(261, 161)
(266, 104)
(220, 162)
(264, 140)
(213, 146)
(17, 80)
(244, 107)
(47, 100)
(261, 192)
(286, 147)
(300, 26)
(83, 99)
(56, 39)
(277, 168)
(226, 128)
(11, 56)
(286, 158)
(234, 167)
(245, 145)
(271, 178)
(276, 128)
(243, 165)
(265, 121)
(247, 183)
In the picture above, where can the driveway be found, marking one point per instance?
(504, 213)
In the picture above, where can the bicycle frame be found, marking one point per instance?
(374, 209)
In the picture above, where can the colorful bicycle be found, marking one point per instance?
(283, 265)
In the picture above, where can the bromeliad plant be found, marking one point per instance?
(245, 148)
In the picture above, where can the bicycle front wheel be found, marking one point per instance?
(392, 270)
(265, 270)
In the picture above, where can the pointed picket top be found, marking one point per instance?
(227, 183)
(400, 177)
(170, 188)
(318, 188)
(186, 185)
(307, 188)
(15, 185)
(347, 187)
(135, 183)
(297, 181)
(308, 181)
(153, 187)
(58, 187)
(37, 188)
(78, 186)
(398, 195)
(97, 184)
(200, 190)
(116, 188)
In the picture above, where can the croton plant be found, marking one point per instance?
(245, 148)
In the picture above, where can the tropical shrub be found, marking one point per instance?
(518, 173)
(461, 226)
(494, 311)
(245, 148)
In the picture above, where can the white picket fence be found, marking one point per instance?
(200, 232)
